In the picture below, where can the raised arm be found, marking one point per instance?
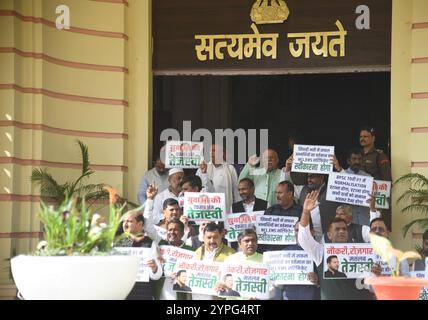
(149, 226)
(314, 249)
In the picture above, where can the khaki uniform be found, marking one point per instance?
(376, 163)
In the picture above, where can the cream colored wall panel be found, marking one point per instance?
(83, 48)
(20, 147)
(83, 116)
(7, 31)
(419, 43)
(89, 14)
(61, 44)
(5, 216)
(89, 83)
(420, 77)
(27, 72)
(27, 35)
(24, 246)
(419, 143)
(7, 99)
(5, 253)
(6, 179)
(139, 116)
(420, 11)
(28, 8)
(74, 115)
(6, 141)
(401, 146)
(59, 148)
(6, 4)
(11, 105)
(18, 183)
(25, 218)
(58, 113)
(32, 106)
(7, 68)
(419, 113)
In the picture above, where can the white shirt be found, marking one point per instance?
(248, 207)
(209, 256)
(314, 249)
(220, 185)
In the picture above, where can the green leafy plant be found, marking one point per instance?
(73, 230)
(414, 199)
(383, 247)
(52, 191)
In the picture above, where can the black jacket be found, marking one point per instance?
(259, 205)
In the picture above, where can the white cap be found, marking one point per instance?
(174, 170)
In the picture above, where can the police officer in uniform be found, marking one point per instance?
(375, 161)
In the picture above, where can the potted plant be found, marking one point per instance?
(414, 199)
(395, 287)
(73, 261)
(55, 192)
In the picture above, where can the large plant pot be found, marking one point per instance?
(396, 288)
(74, 277)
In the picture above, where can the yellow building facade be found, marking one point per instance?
(93, 82)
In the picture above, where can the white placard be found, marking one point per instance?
(349, 188)
(145, 254)
(201, 277)
(200, 206)
(238, 222)
(183, 154)
(171, 256)
(276, 229)
(355, 260)
(249, 280)
(312, 158)
(382, 192)
(289, 266)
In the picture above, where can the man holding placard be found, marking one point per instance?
(331, 289)
(133, 227)
(355, 159)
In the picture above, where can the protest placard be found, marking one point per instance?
(276, 229)
(289, 266)
(351, 260)
(171, 256)
(382, 193)
(246, 280)
(144, 253)
(238, 222)
(349, 188)
(314, 159)
(183, 154)
(201, 277)
(204, 206)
